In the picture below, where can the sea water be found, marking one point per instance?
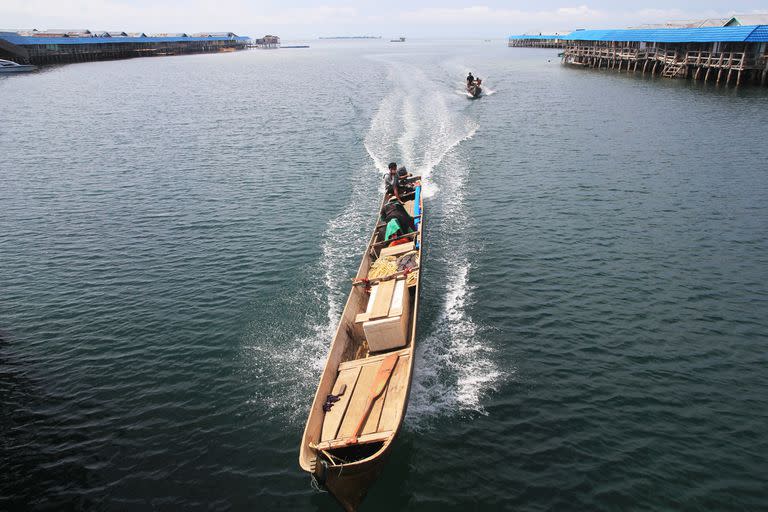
(177, 237)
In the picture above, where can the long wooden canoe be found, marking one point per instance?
(345, 445)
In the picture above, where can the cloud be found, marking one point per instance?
(485, 14)
(284, 16)
(191, 15)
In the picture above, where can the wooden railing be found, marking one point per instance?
(732, 60)
(728, 60)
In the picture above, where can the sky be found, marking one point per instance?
(305, 20)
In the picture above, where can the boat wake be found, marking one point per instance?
(486, 92)
(455, 367)
(417, 125)
(423, 127)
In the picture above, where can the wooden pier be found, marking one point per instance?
(731, 55)
(536, 41)
(721, 67)
(42, 48)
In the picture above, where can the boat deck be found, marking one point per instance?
(362, 396)
(358, 375)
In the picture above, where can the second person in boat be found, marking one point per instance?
(397, 183)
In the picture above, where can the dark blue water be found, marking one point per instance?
(177, 234)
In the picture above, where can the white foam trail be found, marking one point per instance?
(415, 126)
(455, 367)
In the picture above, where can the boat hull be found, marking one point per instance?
(347, 470)
(349, 483)
(474, 91)
(17, 69)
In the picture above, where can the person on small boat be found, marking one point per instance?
(396, 220)
(393, 182)
(470, 78)
(407, 190)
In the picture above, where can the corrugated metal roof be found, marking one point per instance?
(675, 35)
(30, 40)
(539, 37)
(759, 35)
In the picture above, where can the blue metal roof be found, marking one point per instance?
(759, 35)
(753, 34)
(31, 40)
(539, 37)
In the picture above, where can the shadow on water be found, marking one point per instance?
(38, 471)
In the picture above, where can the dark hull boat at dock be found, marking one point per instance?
(362, 397)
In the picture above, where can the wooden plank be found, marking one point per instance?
(372, 423)
(383, 300)
(358, 400)
(383, 374)
(368, 438)
(408, 205)
(387, 242)
(332, 419)
(369, 360)
(395, 399)
(397, 249)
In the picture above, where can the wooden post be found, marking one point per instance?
(719, 73)
(738, 79)
(706, 77)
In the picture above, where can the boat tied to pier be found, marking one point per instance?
(8, 66)
(362, 396)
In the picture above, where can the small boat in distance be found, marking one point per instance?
(362, 397)
(398, 40)
(8, 66)
(473, 88)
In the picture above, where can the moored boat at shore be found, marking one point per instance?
(362, 397)
(8, 66)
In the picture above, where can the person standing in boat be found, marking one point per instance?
(470, 78)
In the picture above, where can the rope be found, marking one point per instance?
(388, 265)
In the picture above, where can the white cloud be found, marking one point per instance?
(251, 17)
(190, 16)
(506, 21)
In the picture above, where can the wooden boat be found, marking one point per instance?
(368, 370)
(474, 88)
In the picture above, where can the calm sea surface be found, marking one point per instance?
(177, 236)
